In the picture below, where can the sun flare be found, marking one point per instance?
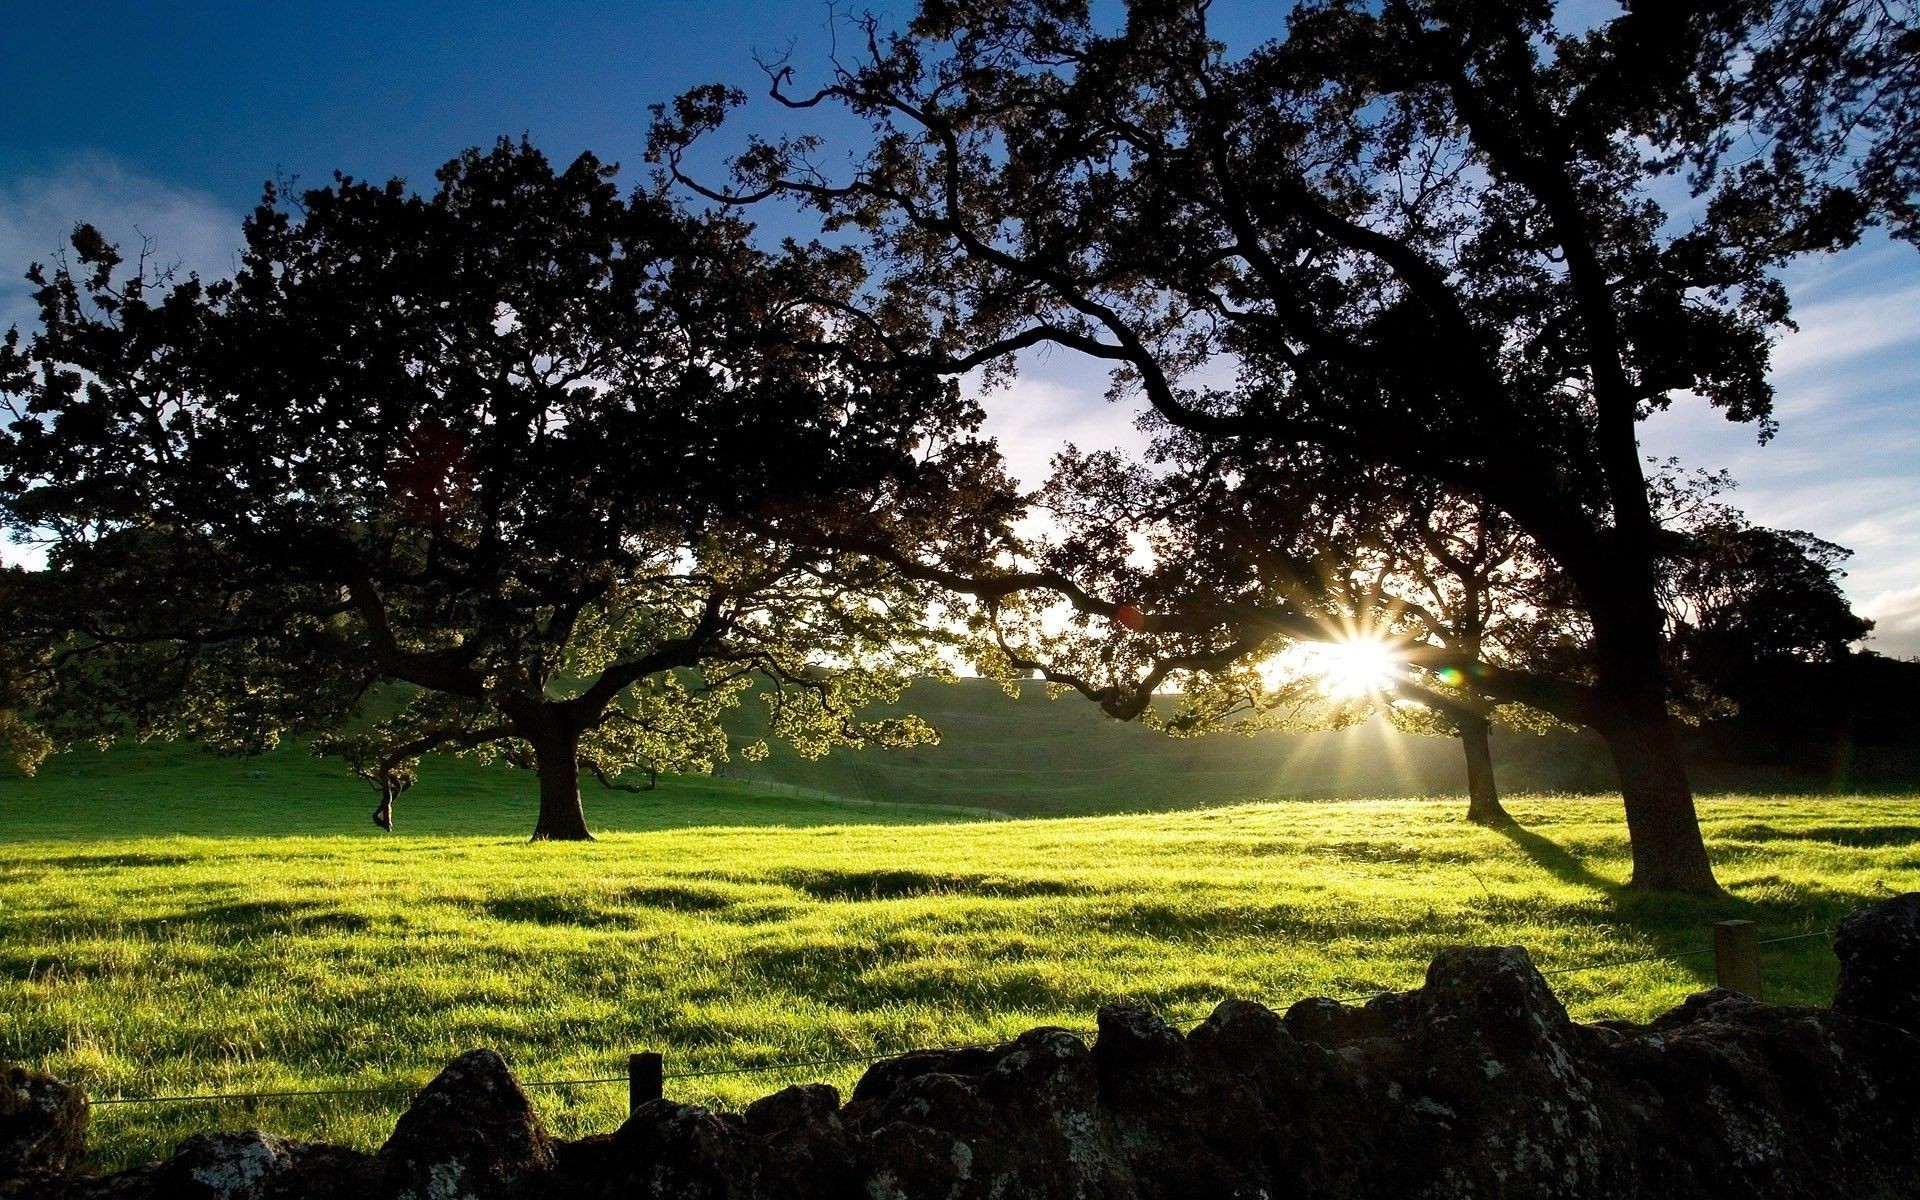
(1351, 669)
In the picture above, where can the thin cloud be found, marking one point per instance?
(1846, 462)
(184, 229)
(1033, 417)
(1896, 618)
(1839, 331)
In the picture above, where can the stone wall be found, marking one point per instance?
(1476, 1084)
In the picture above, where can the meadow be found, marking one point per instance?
(172, 923)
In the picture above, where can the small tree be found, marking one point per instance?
(1762, 630)
(1365, 564)
(557, 463)
(1472, 584)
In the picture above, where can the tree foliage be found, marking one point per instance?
(556, 465)
(1438, 237)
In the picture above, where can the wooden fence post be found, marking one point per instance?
(1736, 957)
(644, 1081)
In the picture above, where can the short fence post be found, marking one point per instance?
(1736, 957)
(644, 1081)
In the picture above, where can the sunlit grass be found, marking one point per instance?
(791, 929)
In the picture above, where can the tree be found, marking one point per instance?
(1378, 563)
(1760, 625)
(22, 741)
(1472, 584)
(1426, 235)
(1742, 597)
(550, 463)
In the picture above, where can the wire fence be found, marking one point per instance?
(1175, 1015)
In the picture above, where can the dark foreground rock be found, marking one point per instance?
(471, 1132)
(248, 1164)
(43, 1125)
(1879, 953)
(1475, 1085)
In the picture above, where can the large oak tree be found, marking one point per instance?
(547, 464)
(1450, 238)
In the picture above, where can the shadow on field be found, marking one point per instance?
(1556, 859)
(617, 909)
(1682, 926)
(102, 862)
(899, 972)
(1852, 837)
(899, 884)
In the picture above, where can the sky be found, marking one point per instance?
(161, 119)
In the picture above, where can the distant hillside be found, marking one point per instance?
(1039, 756)
(1026, 757)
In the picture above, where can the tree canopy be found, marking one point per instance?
(1460, 242)
(555, 466)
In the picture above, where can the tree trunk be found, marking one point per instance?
(1630, 674)
(1483, 798)
(561, 818)
(1669, 854)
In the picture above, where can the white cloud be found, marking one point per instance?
(1035, 416)
(187, 229)
(1839, 331)
(1896, 618)
(1846, 463)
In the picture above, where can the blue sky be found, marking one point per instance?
(163, 119)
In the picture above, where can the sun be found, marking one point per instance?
(1351, 669)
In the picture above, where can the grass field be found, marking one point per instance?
(171, 923)
(1036, 756)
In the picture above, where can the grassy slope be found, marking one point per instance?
(286, 944)
(1040, 757)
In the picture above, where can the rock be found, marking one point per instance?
(247, 1165)
(1331, 1023)
(228, 1166)
(791, 1144)
(801, 1144)
(43, 1125)
(665, 1151)
(1022, 1119)
(1879, 953)
(1167, 1106)
(252, 1165)
(140, 1183)
(1728, 1096)
(884, 1079)
(1496, 1092)
(469, 1133)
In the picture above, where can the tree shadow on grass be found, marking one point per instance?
(1682, 926)
(1557, 861)
(1847, 836)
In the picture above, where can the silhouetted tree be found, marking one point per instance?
(1379, 565)
(554, 461)
(1759, 623)
(1425, 234)
(1471, 583)
(1742, 596)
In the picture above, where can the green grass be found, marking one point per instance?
(1040, 757)
(171, 923)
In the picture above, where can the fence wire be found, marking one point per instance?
(856, 1060)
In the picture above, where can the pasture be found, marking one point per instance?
(171, 923)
